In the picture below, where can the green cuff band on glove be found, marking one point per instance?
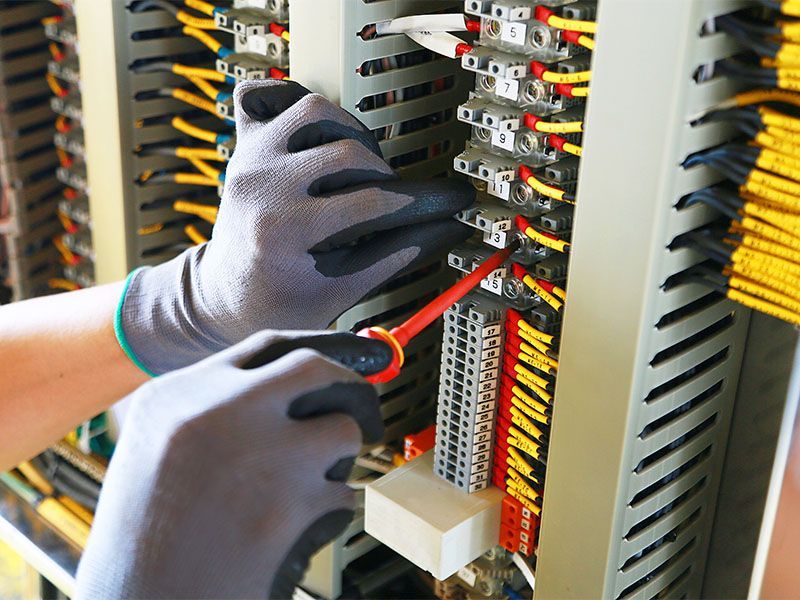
(119, 332)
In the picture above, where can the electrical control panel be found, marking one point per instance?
(572, 420)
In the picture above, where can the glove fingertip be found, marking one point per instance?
(269, 98)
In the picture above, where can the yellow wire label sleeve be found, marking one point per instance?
(524, 501)
(771, 156)
(522, 464)
(531, 412)
(538, 344)
(82, 513)
(195, 101)
(208, 213)
(540, 382)
(201, 6)
(757, 243)
(538, 355)
(572, 149)
(765, 279)
(783, 134)
(520, 420)
(548, 242)
(523, 445)
(201, 153)
(523, 485)
(754, 289)
(195, 179)
(773, 143)
(572, 24)
(586, 42)
(529, 400)
(580, 92)
(205, 168)
(202, 37)
(777, 119)
(545, 396)
(194, 234)
(777, 183)
(764, 307)
(567, 127)
(62, 519)
(535, 333)
(576, 77)
(542, 293)
(196, 22)
(791, 8)
(768, 95)
(196, 132)
(544, 189)
(787, 201)
(783, 220)
(199, 73)
(150, 229)
(780, 167)
(770, 232)
(754, 250)
(536, 364)
(768, 265)
(209, 90)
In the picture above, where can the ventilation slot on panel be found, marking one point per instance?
(668, 538)
(675, 444)
(669, 478)
(688, 310)
(631, 589)
(686, 376)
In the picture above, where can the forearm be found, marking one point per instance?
(60, 364)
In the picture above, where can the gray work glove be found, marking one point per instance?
(311, 221)
(229, 474)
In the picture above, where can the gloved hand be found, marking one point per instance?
(228, 474)
(312, 220)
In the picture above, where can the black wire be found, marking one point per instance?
(143, 5)
(748, 37)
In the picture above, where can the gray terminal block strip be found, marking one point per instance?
(471, 358)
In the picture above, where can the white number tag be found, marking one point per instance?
(520, 14)
(493, 285)
(504, 140)
(499, 190)
(507, 88)
(496, 238)
(516, 72)
(514, 33)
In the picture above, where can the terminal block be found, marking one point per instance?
(69, 105)
(76, 209)
(67, 69)
(63, 31)
(74, 177)
(71, 141)
(80, 242)
(225, 149)
(530, 37)
(81, 273)
(271, 47)
(275, 10)
(510, 10)
(244, 66)
(242, 21)
(225, 107)
(468, 390)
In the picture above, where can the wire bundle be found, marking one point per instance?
(753, 251)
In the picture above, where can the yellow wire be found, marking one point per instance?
(551, 127)
(573, 149)
(196, 22)
(195, 179)
(539, 238)
(554, 302)
(759, 96)
(200, 6)
(194, 234)
(202, 37)
(201, 153)
(194, 131)
(199, 72)
(569, 78)
(580, 92)
(207, 213)
(535, 333)
(196, 101)
(205, 168)
(205, 87)
(572, 24)
(545, 190)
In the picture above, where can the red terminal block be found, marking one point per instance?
(515, 515)
(416, 444)
(525, 173)
(277, 29)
